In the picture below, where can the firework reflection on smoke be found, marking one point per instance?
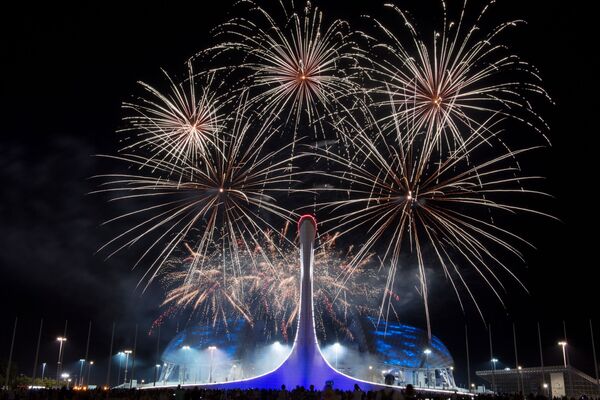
(449, 85)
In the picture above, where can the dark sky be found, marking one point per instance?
(66, 70)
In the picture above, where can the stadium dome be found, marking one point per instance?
(234, 350)
(405, 346)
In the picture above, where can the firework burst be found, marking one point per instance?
(202, 169)
(224, 202)
(211, 289)
(296, 64)
(406, 196)
(336, 298)
(269, 287)
(184, 125)
(450, 85)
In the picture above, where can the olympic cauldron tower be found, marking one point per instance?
(305, 364)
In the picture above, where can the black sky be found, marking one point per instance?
(65, 69)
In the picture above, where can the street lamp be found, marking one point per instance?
(212, 359)
(65, 377)
(127, 353)
(563, 344)
(120, 355)
(336, 349)
(427, 352)
(43, 371)
(185, 348)
(156, 374)
(89, 371)
(82, 361)
(494, 361)
(61, 341)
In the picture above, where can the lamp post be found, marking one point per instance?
(427, 352)
(185, 348)
(91, 363)
(61, 340)
(563, 344)
(212, 359)
(336, 349)
(157, 367)
(65, 377)
(494, 361)
(80, 380)
(120, 355)
(43, 371)
(127, 353)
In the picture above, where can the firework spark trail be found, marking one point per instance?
(296, 67)
(405, 199)
(219, 201)
(450, 87)
(182, 126)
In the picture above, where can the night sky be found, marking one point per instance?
(67, 69)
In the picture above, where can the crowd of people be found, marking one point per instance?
(298, 393)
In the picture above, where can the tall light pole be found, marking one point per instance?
(61, 340)
(127, 353)
(66, 378)
(120, 355)
(82, 361)
(494, 361)
(563, 344)
(336, 348)
(43, 371)
(91, 363)
(212, 360)
(157, 367)
(185, 348)
(427, 352)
